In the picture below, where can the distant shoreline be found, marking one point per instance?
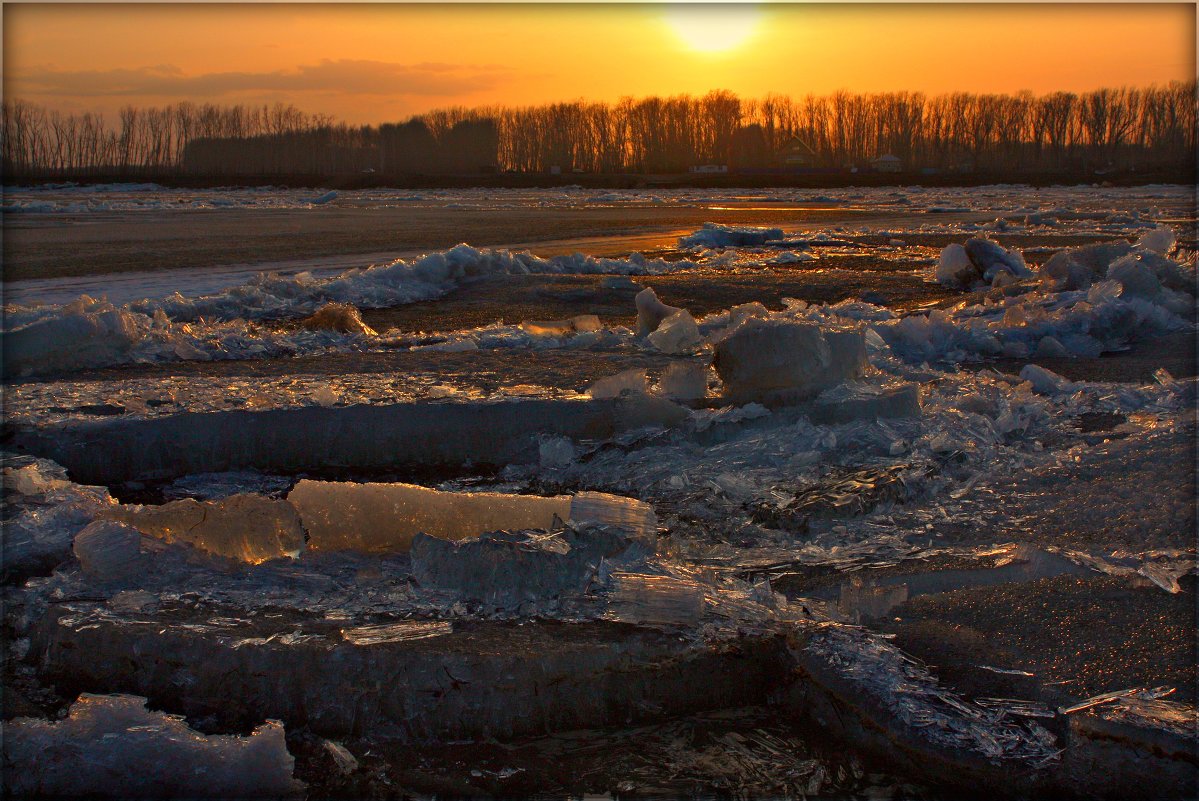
(838, 180)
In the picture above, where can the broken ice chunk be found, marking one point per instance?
(644, 599)
(613, 386)
(715, 235)
(991, 259)
(503, 571)
(1045, 382)
(852, 401)
(111, 745)
(33, 476)
(1136, 277)
(556, 452)
(343, 318)
(326, 396)
(1160, 240)
(678, 333)
(87, 333)
(954, 267)
(109, 551)
(383, 518)
(684, 381)
(775, 362)
(583, 323)
(1050, 347)
(547, 328)
(651, 311)
(345, 761)
(249, 528)
(1079, 268)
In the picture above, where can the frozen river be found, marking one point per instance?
(750, 451)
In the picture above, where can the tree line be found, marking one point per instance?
(1125, 128)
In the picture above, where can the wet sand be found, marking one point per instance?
(81, 245)
(1078, 636)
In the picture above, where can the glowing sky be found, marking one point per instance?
(370, 63)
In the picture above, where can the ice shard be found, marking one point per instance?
(628, 514)
(647, 599)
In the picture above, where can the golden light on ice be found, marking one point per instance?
(713, 28)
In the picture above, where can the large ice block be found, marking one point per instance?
(362, 436)
(112, 746)
(383, 518)
(431, 683)
(991, 259)
(249, 528)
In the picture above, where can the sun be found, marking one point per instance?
(713, 28)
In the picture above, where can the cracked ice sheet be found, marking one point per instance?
(327, 594)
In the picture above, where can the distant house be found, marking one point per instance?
(795, 152)
(887, 163)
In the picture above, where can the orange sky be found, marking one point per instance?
(371, 63)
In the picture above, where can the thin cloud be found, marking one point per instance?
(344, 76)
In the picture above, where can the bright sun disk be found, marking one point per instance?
(713, 28)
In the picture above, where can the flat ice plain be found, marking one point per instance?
(919, 466)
